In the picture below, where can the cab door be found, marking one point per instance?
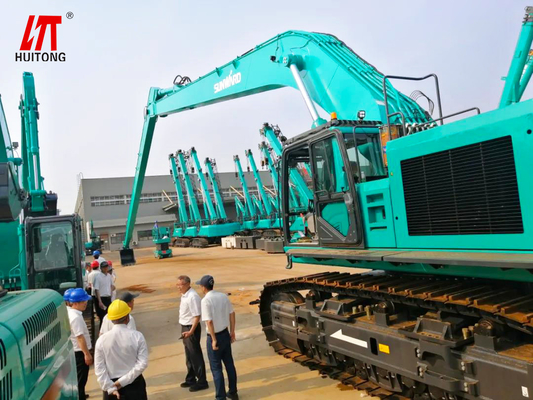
(338, 218)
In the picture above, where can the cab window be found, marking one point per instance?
(330, 176)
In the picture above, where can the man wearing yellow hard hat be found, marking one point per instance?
(121, 356)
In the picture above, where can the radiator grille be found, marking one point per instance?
(469, 190)
(43, 347)
(38, 322)
(6, 386)
(3, 355)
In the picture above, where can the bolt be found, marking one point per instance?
(354, 310)
(368, 312)
(463, 365)
(420, 372)
(418, 353)
(466, 333)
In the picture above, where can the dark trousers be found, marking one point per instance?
(83, 373)
(216, 358)
(194, 357)
(101, 313)
(134, 391)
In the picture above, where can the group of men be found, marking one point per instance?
(121, 352)
(101, 284)
(216, 311)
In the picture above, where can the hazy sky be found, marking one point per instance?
(91, 106)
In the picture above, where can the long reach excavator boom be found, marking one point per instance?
(325, 71)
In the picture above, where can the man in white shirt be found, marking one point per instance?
(218, 314)
(79, 336)
(112, 273)
(129, 299)
(90, 283)
(103, 288)
(191, 331)
(121, 356)
(98, 257)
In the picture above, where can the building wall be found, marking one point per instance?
(106, 201)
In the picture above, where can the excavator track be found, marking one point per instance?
(416, 337)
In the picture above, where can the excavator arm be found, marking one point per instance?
(40, 202)
(214, 184)
(259, 183)
(211, 213)
(320, 66)
(182, 207)
(248, 201)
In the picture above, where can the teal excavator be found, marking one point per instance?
(49, 252)
(195, 230)
(212, 174)
(268, 211)
(437, 210)
(95, 243)
(161, 238)
(250, 212)
(40, 250)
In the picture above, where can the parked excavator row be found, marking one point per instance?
(192, 229)
(258, 216)
(40, 250)
(439, 211)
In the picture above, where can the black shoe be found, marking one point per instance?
(196, 388)
(232, 396)
(186, 384)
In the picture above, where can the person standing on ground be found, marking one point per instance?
(218, 314)
(98, 257)
(79, 336)
(112, 273)
(191, 331)
(103, 288)
(121, 356)
(88, 270)
(66, 297)
(90, 280)
(129, 299)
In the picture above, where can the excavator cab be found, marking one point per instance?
(333, 159)
(54, 255)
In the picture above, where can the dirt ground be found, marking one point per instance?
(262, 374)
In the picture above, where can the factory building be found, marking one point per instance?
(106, 202)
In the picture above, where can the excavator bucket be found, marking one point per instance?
(127, 257)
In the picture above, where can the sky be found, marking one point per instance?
(91, 105)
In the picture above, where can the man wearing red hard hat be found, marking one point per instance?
(95, 265)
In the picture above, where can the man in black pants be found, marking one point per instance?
(191, 331)
(219, 317)
(103, 288)
(79, 336)
(120, 357)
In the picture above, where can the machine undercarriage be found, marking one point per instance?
(406, 336)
